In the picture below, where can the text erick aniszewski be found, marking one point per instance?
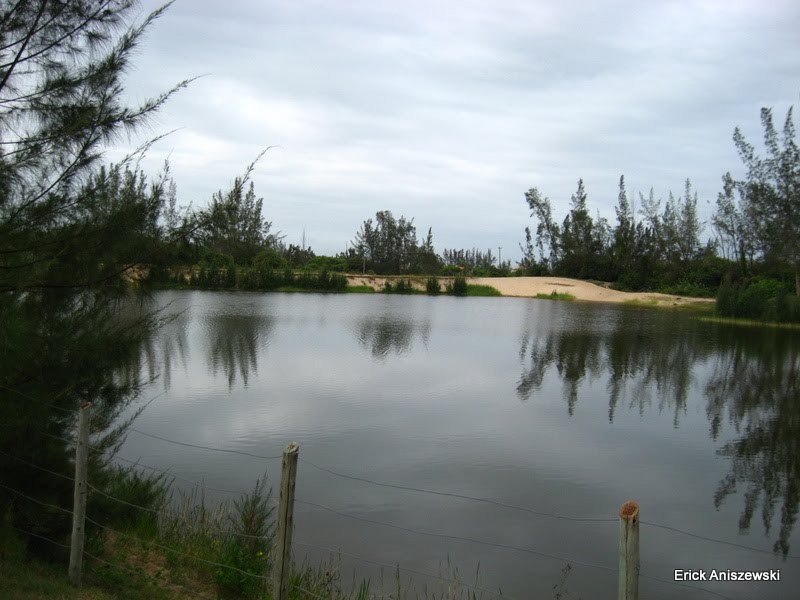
(726, 575)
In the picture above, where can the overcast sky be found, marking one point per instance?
(448, 112)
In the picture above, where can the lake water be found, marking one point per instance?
(563, 409)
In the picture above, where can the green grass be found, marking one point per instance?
(554, 295)
(750, 322)
(482, 290)
(359, 289)
(689, 306)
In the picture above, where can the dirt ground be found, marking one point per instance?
(531, 286)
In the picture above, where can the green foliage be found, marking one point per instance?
(761, 299)
(327, 263)
(432, 286)
(554, 295)
(389, 246)
(269, 258)
(458, 287)
(247, 547)
(72, 233)
(233, 224)
(482, 290)
(215, 260)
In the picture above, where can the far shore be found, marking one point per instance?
(530, 287)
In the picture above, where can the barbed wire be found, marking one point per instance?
(35, 466)
(196, 484)
(406, 569)
(37, 501)
(172, 513)
(118, 566)
(168, 584)
(710, 539)
(178, 552)
(461, 496)
(201, 447)
(38, 401)
(459, 538)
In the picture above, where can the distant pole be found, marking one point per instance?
(79, 497)
(629, 551)
(282, 560)
(499, 257)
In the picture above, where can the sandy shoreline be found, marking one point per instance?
(531, 286)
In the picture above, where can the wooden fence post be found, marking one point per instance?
(629, 551)
(79, 498)
(283, 541)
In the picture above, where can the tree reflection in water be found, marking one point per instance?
(235, 341)
(754, 384)
(386, 334)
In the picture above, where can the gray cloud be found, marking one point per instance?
(448, 112)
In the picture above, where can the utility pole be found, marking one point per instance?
(499, 257)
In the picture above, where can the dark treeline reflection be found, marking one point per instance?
(387, 334)
(750, 378)
(631, 350)
(756, 384)
(235, 341)
(232, 341)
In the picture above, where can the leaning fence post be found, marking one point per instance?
(629, 551)
(79, 498)
(283, 541)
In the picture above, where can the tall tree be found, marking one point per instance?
(548, 233)
(770, 193)
(624, 233)
(68, 237)
(389, 245)
(689, 226)
(233, 223)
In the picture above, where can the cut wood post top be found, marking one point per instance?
(629, 510)
(293, 447)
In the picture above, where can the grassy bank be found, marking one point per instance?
(145, 542)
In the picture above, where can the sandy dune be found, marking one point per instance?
(531, 286)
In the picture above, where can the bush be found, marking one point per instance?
(403, 286)
(450, 270)
(754, 299)
(215, 260)
(762, 299)
(727, 298)
(459, 286)
(432, 286)
(269, 259)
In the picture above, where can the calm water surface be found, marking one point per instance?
(567, 409)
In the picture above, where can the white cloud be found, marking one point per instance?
(448, 112)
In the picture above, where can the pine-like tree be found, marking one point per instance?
(70, 234)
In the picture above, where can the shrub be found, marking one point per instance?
(754, 298)
(215, 260)
(727, 298)
(459, 287)
(432, 286)
(269, 259)
(403, 286)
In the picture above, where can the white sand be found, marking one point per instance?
(531, 286)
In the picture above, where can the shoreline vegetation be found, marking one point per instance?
(541, 287)
(160, 544)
